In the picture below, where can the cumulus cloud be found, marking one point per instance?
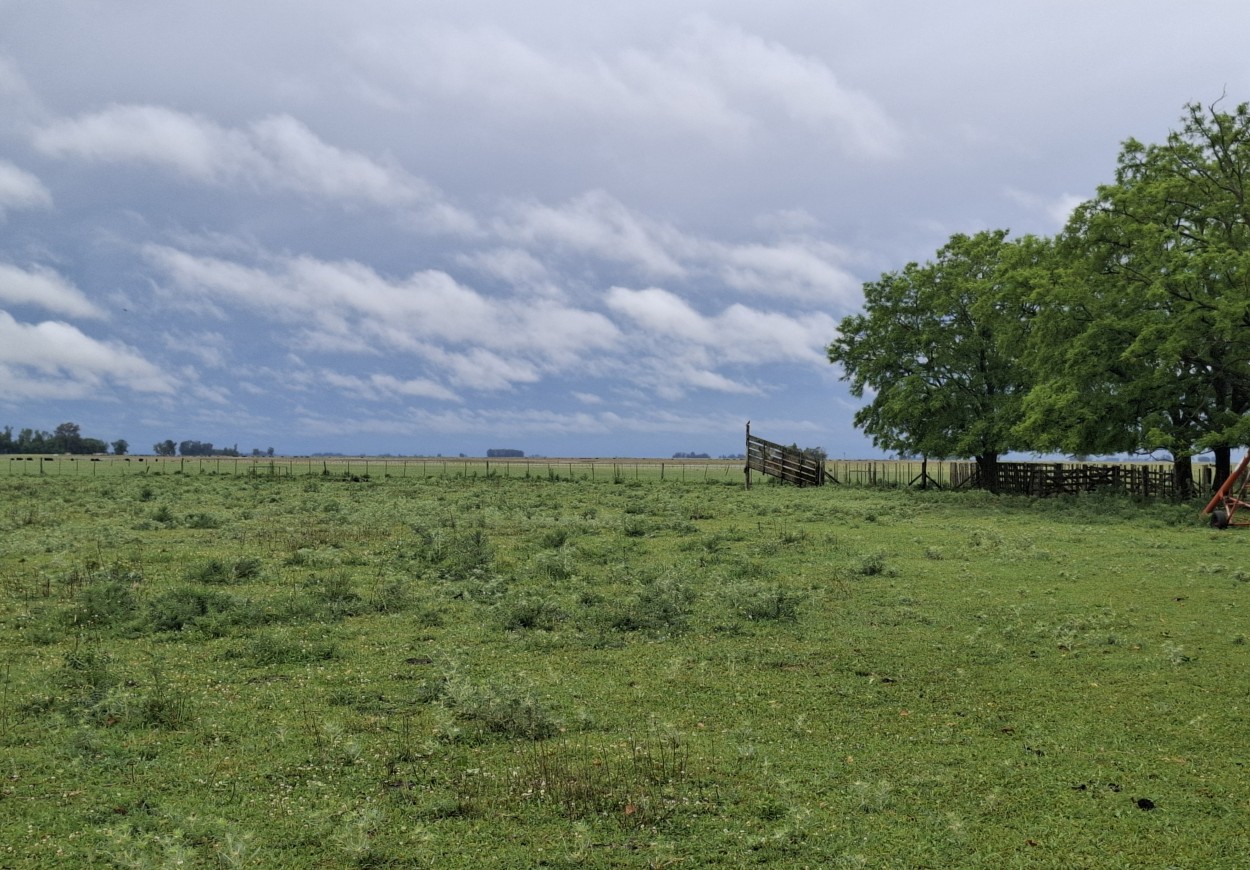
(381, 387)
(737, 334)
(680, 349)
(514, 422)
(475, 340)
(21, 189)
(44, 288)
(807, 270)
(515, 267)
(1056, 209)
(57, 359)
(277, 152)
(712, 81)
(600, 225)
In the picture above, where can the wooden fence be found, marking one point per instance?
(1146, 480)
(785, 463)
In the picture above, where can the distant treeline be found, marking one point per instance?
(197, 448)
(66, 438)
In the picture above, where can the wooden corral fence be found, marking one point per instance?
(785, 463)
(1147, 480)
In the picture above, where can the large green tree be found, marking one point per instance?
(1145, 344)
(936, 347)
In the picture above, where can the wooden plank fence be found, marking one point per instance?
(1044, 479)
(785, 463)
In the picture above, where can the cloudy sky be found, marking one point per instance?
(571, 228)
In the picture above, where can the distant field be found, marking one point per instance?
(853, 472)
(597, 669)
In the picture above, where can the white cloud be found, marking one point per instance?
(58, 358)
(597, 224)
(738, 334)
(512, 423)
(210, 348)
(1055, 209)
(677, 349)
(21, 189)
(380, 387)
(662, 313)
(278, 152)
(515, 267)
(712, 81)
(43, 287)
(805, 270)
(474, 340)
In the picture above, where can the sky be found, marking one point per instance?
(568, 228)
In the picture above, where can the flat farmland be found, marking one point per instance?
(502, 670)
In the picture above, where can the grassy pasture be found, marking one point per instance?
(501, 671)
(885, 472)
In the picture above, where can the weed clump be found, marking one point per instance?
(201, 520)
(100, 605)
(266, 649)
(767, 603)
(493, 709)
(661, 607)
(874, 565)
(222, 572)
(539, 614)
(188, 607)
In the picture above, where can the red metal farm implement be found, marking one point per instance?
(1229, 498)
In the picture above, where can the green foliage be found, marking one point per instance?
(938, 346)
(268, 649)
(532, 613)
(104, 604)
(188, 607)
(1142, 346)
(767, 602)
(659, 607)
(501, 710)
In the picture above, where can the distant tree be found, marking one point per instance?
(120, 447)
(165, 448)
(67, 438)
(191, 447)
(31, 441)
(817, 453)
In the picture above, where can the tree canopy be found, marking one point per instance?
(936, 348)
(1147, 342)
(1129, 332)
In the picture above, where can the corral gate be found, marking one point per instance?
(786, 463)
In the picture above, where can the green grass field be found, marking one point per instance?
(498, 671)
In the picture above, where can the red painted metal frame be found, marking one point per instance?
(1230, 497)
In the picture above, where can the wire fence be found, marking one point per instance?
(365, 468)
(847, 472)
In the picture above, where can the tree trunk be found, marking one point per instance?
(1223, 464)
(987, 471)
(1183, 475)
